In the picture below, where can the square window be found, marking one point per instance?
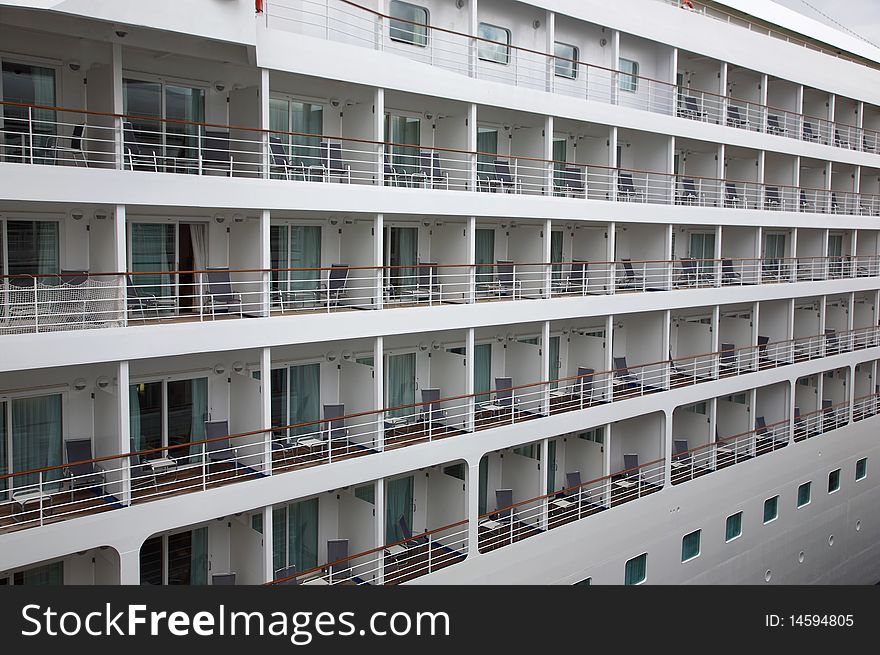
(803, 497)
(566, 62)
(408, 23)
(834, 481)
(734, 527)
(862, 469)
(636, 571)
(690, 545)
(629, 72)
(771, 509)
(257, 522)
(494, 44)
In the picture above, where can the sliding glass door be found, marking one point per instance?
(487, 152)
(32, 439)
(175, 559)
(702, 248)
(398, 507)
(295, 536)
(295, 247)
(484, 256)
(157, 250)
(554, 362)
(400, 383)
(482, 371)
(404, 133)
(299, 127)
(29, 85)
(556, 254)
(31, 248)
(146, 102)
(402, 255)
(296, 398)
(167, 413)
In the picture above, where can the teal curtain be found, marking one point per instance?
(733, 526)
(306, 119)
(199, 557)
(153, 247)
(278, 391)
(398, 503)
(183, 104)
(400, 383)
(279, 118)
(554, 361)
(404, 131)
(199, 413)
(50, 574)
(487, 146)
(484, 484)
(279, 255)
(302, 536)
(36, 438)
(134, 418)
(485, 255)
(3, 463)
(551, 467)
(279, 539)
(305, 397)
(402, 246)
(482, 371)
(28, 84)
(636, 570)
(558, 163)
(33, 247)
(556, 255)
(305, 252)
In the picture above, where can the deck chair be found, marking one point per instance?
(337, 549)
(411, 542)
(572, 494)
(504, 392)
(688, 194)
(334, 424)
(732, 196)
(583, 386)
(503, 502)
(762, 435)
(689, 108)
(220, 449)
(141, 473)
(805, 204)
(836, 207)
(427, 284)
(430, 172)
(432, 413)
(800, 430)
(629, 279)
(626, 188)
(222, 579)
(869, 144)
(216, 152)
(505, 281)
(680, 455)
(334, 289)
(727, 358)
(832, 342)
(287, 576)
(623, 379)
(332, 164)
(393, 177)
(808, 133)
(735, 119)
(840, 140)
(137, 302)
(135, 153)
(828, 418)
(79, 472)
(577, 280)
(503, 178)
(728, 275)
(762, 347)
(218, 295)
(688, 275)
(74, 147)
(772, 199)
(774, 126)
(571, 182)
(279, 161)
(630, 474)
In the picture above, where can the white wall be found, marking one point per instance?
(642, 435)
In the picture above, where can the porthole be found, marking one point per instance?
(768, 575)
(858, 525)
(830, 539)
(801, 557)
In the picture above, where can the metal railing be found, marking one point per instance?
(355, 24)
(54, 493)
(187, 148)
(78, 300)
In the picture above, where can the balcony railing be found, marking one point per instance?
(105, 140)
(56, 493)
(78, 300)
(352, 23)
(390, 564)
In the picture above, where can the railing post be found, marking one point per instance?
(36, 306)
(119, 144)
(31, 134)
(40, 492)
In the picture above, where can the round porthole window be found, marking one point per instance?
(768, 575)
(858, 525)
(830, 539)
(801, 557)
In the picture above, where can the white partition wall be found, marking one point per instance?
(446, 498)
(642, 435)
(245, 551)
(771, 402)
(692, 423)
(576, 453)
(245, 415)
(590, 244)
(733, 414)
(806, 394)
(525, 247)
(739, 244)
(524, 364)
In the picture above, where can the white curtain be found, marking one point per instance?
(198, 233)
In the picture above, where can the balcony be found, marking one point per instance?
(526, 67)
(186, 439)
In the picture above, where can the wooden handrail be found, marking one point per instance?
(376, 412)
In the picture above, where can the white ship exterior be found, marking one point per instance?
(437, 292)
